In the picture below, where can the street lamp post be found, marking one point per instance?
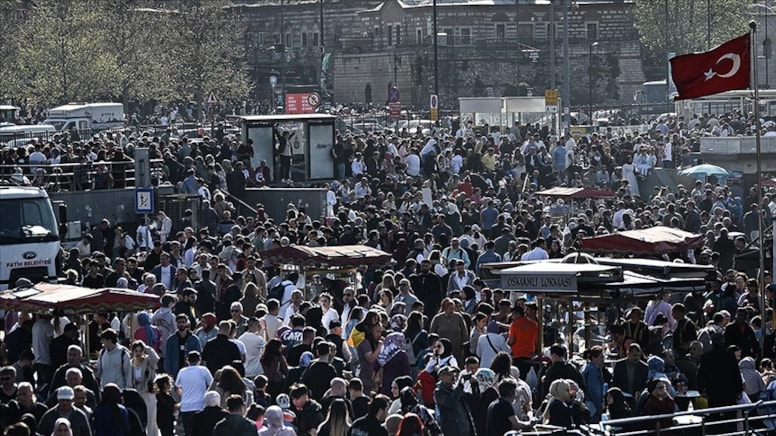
(590, 81)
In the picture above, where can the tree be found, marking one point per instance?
(137, 46)
(680, 26)
(206, 52)
(60, 53)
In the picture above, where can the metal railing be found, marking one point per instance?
(750, 419)
(79, 177)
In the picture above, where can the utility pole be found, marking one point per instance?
(566, 70)
(436, 52)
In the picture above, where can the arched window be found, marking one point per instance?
(767, 48)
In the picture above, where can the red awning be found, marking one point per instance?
(345, 255)
(45, 297)
(577, 192)
(646, 241)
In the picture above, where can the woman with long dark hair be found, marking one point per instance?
(275, 367)
(110, 417)
(337, 421)
(368, 350)
(230, 383)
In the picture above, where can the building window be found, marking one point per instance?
(767, 48)
(390, 35)
(304, 40)
(525, 32)
(398, 35)
(466, 36)
(419, 36)
(261, 39)
(289, 40)
(592, 31)
(315, 39)
(501, 31)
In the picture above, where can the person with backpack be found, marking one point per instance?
(283, 291)
(113, 363)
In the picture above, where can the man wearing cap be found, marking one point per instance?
(74, 377)
(58, 348)
(179, 345)
(192, 383)
(454, 414)
(64, 409)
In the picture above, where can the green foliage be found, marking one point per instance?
(680, 26)
(83, 50)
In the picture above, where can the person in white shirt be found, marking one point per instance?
(42, 334)
(254, 342)
(362, 188)
(271, 323)
(293, 306)
(191, 384)
(329, 313)
(539, 251)
(413, 164)
(143, 236)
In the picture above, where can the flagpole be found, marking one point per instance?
(758, 150)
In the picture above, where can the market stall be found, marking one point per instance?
(75, 302)
(650, 241)
(325, 268)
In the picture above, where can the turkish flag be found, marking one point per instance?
(724, 68)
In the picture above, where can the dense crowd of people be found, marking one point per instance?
(425, 345)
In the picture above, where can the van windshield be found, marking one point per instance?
(27, 220)
(57, 124)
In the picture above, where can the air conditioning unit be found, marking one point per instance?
(441, 39)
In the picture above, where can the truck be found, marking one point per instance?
(29, 235)
(16, 136)
(86, 116)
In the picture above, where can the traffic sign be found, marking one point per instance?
(273, 80)
(211, 99)
(394, 108)
(144, 200)
(314, 99)
(551, 97)
(434, 102)
(393, 95)
(551, 100)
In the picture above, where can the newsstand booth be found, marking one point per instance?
(311, 142)
(580, 291)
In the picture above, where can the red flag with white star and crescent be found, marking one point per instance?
(723, 68)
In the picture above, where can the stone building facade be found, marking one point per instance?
(498, 46)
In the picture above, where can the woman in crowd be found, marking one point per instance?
(143, 363)
(110, 417)
(273, 362)
(337, 421)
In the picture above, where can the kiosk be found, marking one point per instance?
(312, 139)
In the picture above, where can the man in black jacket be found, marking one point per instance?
(719, 379)
(220, 351)
(630, 373)
(561, 369)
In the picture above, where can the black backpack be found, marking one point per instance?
(277, 292)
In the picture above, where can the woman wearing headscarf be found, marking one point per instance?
(753, 380)
(143, 364)
(442, 356)
(393, 360)
(483, 393)
(110, 417)
(409, 404)
(657, 369)
(148, 333)
(208, 330)
(451, 325)
(62, 428)
(274, 425)
(203, 422)
(658, 402)
(562, 410)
